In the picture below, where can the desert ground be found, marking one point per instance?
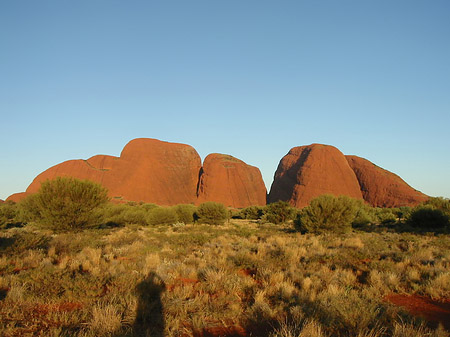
(242, 278)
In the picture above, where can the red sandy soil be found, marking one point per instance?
(433, 311)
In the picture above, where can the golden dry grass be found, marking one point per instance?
(239, 279)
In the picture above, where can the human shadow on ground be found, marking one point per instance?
(150, 311)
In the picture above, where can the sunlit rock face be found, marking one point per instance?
(307, 172)
(150, 170)
(164, 173)
(381, 188)
(230, 181)
(147, 170)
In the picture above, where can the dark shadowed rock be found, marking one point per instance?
(307, 172)
(381, 188)
(230, 181)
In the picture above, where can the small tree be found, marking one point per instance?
(278, 212)
(212, 213)
(67, 203)
(328, 213)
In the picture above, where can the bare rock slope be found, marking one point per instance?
(307, 172)
(230, 181)
(164, 173)
(381, 188)
(147, 170)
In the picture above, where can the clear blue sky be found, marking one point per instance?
(247, 78)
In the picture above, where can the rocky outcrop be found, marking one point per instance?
(164, 173)
(230, 181)
(381, 188)
(307, 172)
(147, 170)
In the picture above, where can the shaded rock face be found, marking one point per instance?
(381, 188)
(164, 173)
(307, 172)
(230, 181)
(147, 170)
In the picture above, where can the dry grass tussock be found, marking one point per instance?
(238, 279)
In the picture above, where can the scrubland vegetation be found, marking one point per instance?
(330, 269)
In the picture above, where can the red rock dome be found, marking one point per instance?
(230, 181)
(307, 172)
(381, 188)
(148, 170)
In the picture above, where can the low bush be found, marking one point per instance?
(66, 204)
(252, 212)
(185, 213)
(385, 216)
(278, 212)
(135, 215)
(162, 216)
(403, 212)
(440, 203)
(212, 213)
(8, 213)
(365, 215)
(328, 213)
(28, 209)
(427, 218)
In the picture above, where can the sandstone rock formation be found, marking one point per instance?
(381, 188)
(307, 172)
(16, 197)
(230, 181)
(147, 170)
(164, 173)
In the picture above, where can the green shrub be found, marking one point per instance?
(185, 213)
(135, 215)
(162, 216)
(365, 215)
(278, 212)
(21, 242)
(148, 207)
(67, 203)
(328, 213)
(385, 216)
(124, 214)
(252, 213)
(403, 212)
(212, 213)
(428, 218)
(113, 213)
(439, 203)
(28, 209)
(8, 213)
